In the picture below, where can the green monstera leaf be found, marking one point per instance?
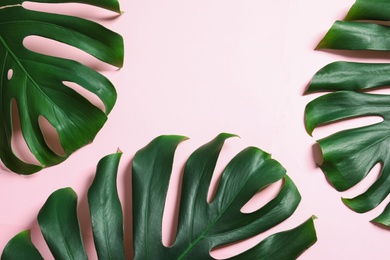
(36, 81)
(202, 226)
(349, 155)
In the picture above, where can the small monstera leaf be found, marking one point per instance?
(349, 155)
(202, 226)
(36, 81)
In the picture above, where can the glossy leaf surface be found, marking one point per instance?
(106, 210)
(202, 226)
(20, 247)
(369, 10)
(36, 81)
(60, 226)
(349, 155)
(383, 218)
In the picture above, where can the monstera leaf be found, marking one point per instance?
(36, 81)
(202, 226)
(349, 155)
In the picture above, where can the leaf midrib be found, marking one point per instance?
(17, 61)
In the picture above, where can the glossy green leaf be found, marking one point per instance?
(202, 226)
(37, 80)
(20, 247)
(370, 10)
(349, 155)
(356, 36)
(60, 226)
(383, 218)
(106, 210)
(283, 245)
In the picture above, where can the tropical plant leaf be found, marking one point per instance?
(106, 210)
(383, 218)
(349, 155)
(21, 247)
(202, 226)
(60, 226)
(36, 81)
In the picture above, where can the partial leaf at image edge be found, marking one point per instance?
(20, 247)
(349, 155)
(37, 80)
(152, 166)
(383, 218)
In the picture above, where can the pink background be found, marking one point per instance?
(198, 68)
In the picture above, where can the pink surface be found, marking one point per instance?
(198, 68)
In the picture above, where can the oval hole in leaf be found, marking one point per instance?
(262, 197)
(91, 97)
(331, 128)
(54, 48)
(51, 136)
(18, 144)
(74, 9)
(10, 73)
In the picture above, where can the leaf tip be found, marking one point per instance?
(228, 135)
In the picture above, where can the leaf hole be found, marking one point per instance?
(18, 143)
(350, 123)
(261, 198)
(10, 73)
(91, 97)
(51, 136)
(54, 48)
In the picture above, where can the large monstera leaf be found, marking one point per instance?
(202, 226)
(349, 155)
(36, 81)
